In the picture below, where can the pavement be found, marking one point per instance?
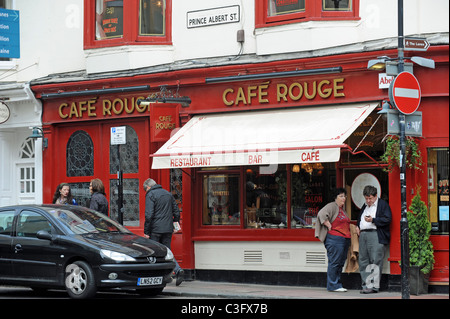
(227, 290)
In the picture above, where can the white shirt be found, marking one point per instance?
(368, 211)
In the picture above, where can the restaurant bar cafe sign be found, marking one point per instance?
(275, 156)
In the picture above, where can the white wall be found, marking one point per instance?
(51, 39)
(52, 35)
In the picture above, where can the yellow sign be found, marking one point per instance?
(247, 95)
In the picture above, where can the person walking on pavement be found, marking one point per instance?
(161, 212)
(63, 195)
(98, 200)
(374, 234)
(333, 229)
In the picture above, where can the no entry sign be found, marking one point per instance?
(405, 93)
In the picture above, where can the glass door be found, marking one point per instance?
(86, 153)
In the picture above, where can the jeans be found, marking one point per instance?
(166, 240)
(337, 248)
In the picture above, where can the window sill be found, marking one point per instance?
(127, 57)
(305, 20)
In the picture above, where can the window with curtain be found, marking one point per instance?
(119, 22)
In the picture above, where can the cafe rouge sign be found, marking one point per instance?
(244, 95)
(278, 93)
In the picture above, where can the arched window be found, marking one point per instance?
(27, 149)
(80, 155)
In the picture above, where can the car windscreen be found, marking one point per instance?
(85, 221)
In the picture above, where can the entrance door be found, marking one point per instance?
(88, 154)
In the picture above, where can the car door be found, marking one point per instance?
(6, 228)
(34, 259)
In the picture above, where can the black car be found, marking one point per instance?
(81, 250)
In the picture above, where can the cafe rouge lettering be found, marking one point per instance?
(101, 108)
(267, 92)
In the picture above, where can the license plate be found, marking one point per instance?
(149, 281)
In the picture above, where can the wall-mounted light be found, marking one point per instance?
(37, 132)
(185, 101)
(385, 107)
(378, 64)
(391, 64)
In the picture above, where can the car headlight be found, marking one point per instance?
(169, 255)
(114, 255)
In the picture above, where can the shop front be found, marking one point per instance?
(259, 174)
(252, 160)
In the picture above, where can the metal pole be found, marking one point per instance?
(404, 231)
(119, 190)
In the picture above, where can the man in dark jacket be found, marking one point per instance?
(161, 211)
(373, 229)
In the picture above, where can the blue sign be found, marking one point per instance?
(9, 34)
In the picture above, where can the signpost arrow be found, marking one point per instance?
(405, 93)
(416, 44)
(9, 33)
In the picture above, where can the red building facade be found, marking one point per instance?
(216, 206)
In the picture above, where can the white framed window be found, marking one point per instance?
(26, 172)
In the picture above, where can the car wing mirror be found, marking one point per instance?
(43, 234)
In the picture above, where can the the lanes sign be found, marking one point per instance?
(416, 44)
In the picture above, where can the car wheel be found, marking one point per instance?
(80, 282)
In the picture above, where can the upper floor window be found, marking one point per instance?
(115, 23)
(275, 12)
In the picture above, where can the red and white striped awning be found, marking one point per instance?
(285, 136)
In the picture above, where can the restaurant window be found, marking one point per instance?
(311, 185)
(266, 197)
(274, 197)
(275, 12)
(176, 185)
(220, 200)
(115, 23)
(438, 189)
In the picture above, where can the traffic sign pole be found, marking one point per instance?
(404, 231)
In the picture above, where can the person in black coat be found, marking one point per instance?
(161, 212)
(373, 228)
(98, 200)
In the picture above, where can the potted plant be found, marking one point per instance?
(391, 155)
(421, 254)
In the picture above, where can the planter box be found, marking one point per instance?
(418, 281)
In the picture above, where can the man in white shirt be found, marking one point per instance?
(374, 234)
